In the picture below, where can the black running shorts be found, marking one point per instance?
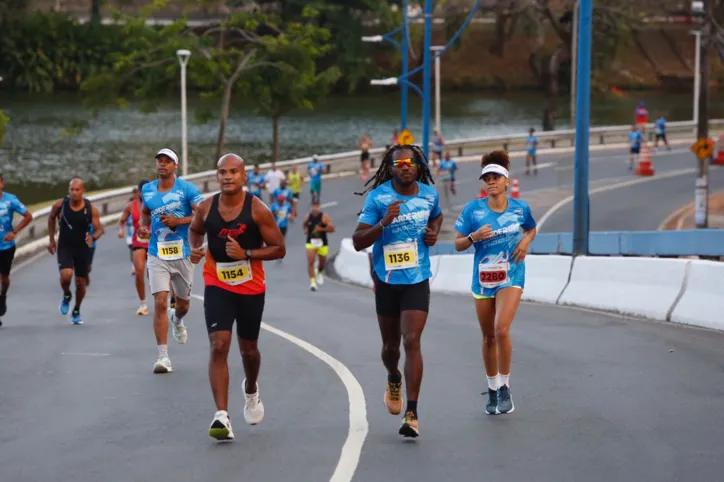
(76, 258)
(222, 307)
(6, 260)
(391, 300)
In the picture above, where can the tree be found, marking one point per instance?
(4, 121)
(276, 92)
(221, 58)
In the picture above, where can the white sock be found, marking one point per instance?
(503, 380)
(178, 321)
(162, 351)
(493, 382)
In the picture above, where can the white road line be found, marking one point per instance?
(611, 187)
(328, 205)
(84, 354)
(358, 425)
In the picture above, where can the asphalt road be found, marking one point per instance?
(598, 397)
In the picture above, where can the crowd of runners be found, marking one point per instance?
(169, 227)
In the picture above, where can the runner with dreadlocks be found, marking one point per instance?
(401, 217)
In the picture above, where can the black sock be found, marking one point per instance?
(76, 308)
(396, 378)
(68, 294)
(412, 407)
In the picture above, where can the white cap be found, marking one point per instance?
(494, 168)
(168, 153)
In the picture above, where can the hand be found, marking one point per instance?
(393, 210)
(9, 237)
(51, 247)
(121, 234)
(169, 221)
(89, 239)
(430, 237)
(233, 250)
(483, 232)
(197, 254)
(520, 251)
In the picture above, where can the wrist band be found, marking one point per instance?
(382, 225)
(470, 237)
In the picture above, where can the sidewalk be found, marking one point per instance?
(683, 218)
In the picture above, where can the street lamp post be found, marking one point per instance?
(697, 72)
(183, 58)
(701, 10)
(437, 48)
(426, 78)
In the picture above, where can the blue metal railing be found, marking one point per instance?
(693, 242)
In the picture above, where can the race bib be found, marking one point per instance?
(142, 239)
(170, 250)
(317, 242)
(234, 273)
(401, 256)
(493, 275)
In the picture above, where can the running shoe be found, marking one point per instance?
(142, 310)
(163, 365)
(505, 402)
(320, 278)
(253, 408)
(65, 304)
(313, 285)
(393, 397)
(75, 318)
(492, 407)
(179, 332)
(220, 428)
(409, 427)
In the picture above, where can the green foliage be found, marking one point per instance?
(4, 121)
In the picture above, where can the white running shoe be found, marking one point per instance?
(313, 286)
(162, 365)
(179, 332)
(253, 408)
(142, 310)
(320, 278)
(220, 427)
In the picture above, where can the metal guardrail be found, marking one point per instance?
(113, 201)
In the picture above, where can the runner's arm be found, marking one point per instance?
(197, 230)
(98, 228)
(124, 218)
(365, 235)
(435, 224)
(27, 217)
(145, 219)
(304, 225)
(270, 233)
(329, 228)
(51, 219)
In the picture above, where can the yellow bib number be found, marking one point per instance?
(234, 273)
(170, 250)
(401, 256)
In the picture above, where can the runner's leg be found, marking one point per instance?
(507, 301)
(485, 310)
(139, 268)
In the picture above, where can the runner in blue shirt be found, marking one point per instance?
(315, 168)
(256, 182)
(448, 167)
(660, 129)
(9, 205)
(168, 207)
(283, 190)
(402, 218)
(501, 229)
(283, 212)
(635, 138)
(531, 147)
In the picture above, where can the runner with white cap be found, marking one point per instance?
(168, 207)
(501, 229)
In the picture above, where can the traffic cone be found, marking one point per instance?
(515, 191)
(719, 159)
(644, 168)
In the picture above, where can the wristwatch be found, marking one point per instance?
(248, 254)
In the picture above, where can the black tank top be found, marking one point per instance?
(312, 222)
(74, 224)
(242, 228)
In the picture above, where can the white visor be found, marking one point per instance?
(494, 168)
(168, 153)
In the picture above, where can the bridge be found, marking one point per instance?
(599, 396)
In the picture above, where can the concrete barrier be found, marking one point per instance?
(634, 286)
(683, 291)
(702, 302)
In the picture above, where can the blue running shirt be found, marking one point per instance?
(492, 268)
(9, 205)
(173, 243)
(399, 255)
(256, 182)
(281, 213)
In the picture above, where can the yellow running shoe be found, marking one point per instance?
(393, 397)
(409, 426)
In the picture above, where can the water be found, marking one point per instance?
(42, 152)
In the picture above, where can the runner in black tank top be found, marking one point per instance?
(316, 226)
(76, 216)
(241, 233)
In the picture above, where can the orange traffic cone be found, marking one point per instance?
(644, 168)
(515, 191)
(719, 159)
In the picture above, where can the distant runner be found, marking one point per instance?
(77, 217)
(316, 226)
(532, 148)
(139, 244)
(295, 183)
(315, 169)
(9, 206)
(241, 233)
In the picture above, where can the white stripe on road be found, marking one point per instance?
(328, 205)
(84, 354)
(611, 187)
(358, 425)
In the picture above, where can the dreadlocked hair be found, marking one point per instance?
(384, 172)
